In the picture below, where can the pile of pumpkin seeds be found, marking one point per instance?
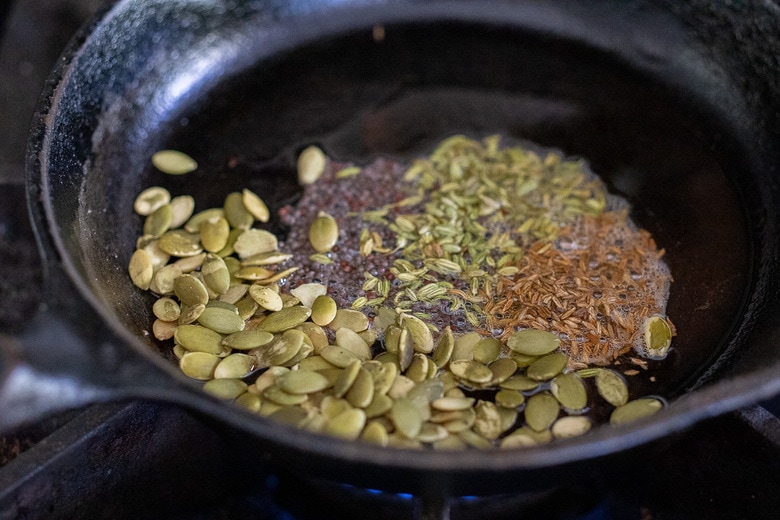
(296, 357)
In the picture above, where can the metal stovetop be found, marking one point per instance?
(140, 460)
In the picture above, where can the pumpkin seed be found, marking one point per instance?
(612, 387)
(174, 162)
(234, 366)
(570, 391)
(375, 433)
(444, 347)
(471, 371)
(255, 205)
(502, 370)
(338, 356)
(347, 425)
(307, 293)
(311, 165)
(571, 426)
(190, 263)
(159, 221)
(198, 339)
(141, 269)
(486, 351)
(248, 339)
(547, 367)
(323, 233)
(449, 404)
(178, 242)
(214, 234)
(533, 342)
(181, 209)
(253, 242)
(163, 330)
(406, 417)
(303, 382)
(361, 393)
(199, 365)
(657, 336)
(275, 394)
(286, 318)
(224, 321)
(193, 224)
(524, 438)
(227, 389)
(379, 406)
(541, 410)
(267, 258)
(319, 339)
(488, 422)
(464, 346)
(405, 349)
(236, 213)
(281, 350)
(475, 440)
(266, 297)
(166, 309)
(190, 290)
(635, 410)
(349, 340)
(349, 318)
(250, 402)
(190, 313)
(509, 398)
(150, 199)
(346, 378)
(384, 377)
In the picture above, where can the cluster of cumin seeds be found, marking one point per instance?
(396, 321)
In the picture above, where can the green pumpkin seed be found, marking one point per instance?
(502, 369)
(159, 221)
(310, 165)
(174, 162)
(234, 366)
(361, 393)
(166, 309)
(199, 365)
(316, 335)
(307, 293)
(525, 438)
(227, 389)
(275, 394)
(224, 321)
(253, 242)
(347, 425)
(384, 377)
(541, 410)
(406, 417)
(266, 297)
(190, 290)
(248, 339)
(150, 199)
(158, 257)
(488, 422)
(178, 242)
(346, 378)
(533, 342)
(571, 426)
(349, 318)
(163, 330)
(657, 336)
(250, 402)
(267, 258)
(421, 334)
(255, 205)
(509, 398)
(405, 349)
(375, 433)
(349, 340)
(323, 233)
(444, 347)
(236, 213)
(214, 234)
(338, 356)
(612, 387)
(198, 339)
(190, 263)
(281, 350)
(464, 346)
(141, 269)
(487, 350)
(635, 410)
(380, 405)
(303, 382)
(193, 224)
(570, 391)
(547, 367)
(418, 368)
(285, 319)
(475, 440)
(471, 371)
(182, 207)
(451, 404)
(522, 360)
(190, 313)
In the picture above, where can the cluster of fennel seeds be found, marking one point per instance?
(221, 302)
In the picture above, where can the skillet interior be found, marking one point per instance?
(226, 85)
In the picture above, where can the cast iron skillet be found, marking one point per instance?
(675, 106)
